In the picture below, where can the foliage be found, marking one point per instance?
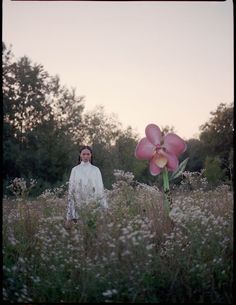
(40, 121)
(213, 171)
(124, 150)
(196, 152)
(101, 132)
(131, 253)
(100, 128)
(167, 129)
(179, 171)
(217, 133)
(44, 125)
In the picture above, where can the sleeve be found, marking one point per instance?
(100, 189)
(71, 199)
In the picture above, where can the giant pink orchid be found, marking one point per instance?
(161, 151)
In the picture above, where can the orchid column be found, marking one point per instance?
(162, 152)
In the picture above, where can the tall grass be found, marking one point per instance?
(129, 253)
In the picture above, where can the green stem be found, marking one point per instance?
(166, 186)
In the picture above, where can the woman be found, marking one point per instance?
(85, 184)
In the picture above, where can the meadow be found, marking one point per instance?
(132, 253)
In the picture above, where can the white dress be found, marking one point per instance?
(85, 184)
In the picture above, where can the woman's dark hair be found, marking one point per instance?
(86, 147)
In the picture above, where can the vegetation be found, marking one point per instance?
(44, 124)
(129, 253)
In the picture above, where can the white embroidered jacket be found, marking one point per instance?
(85, 184)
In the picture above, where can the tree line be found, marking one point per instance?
(44, 125)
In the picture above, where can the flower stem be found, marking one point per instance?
(167, 198)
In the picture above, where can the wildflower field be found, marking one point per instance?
(132, 252)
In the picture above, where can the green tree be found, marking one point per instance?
(213, 171)
(67, 108)
(167, 129)
(98, 127)
(124, 150)
(217, 133)
(101, 132)
(41, 121)
(113, 147)
(196, 152)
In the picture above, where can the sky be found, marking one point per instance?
(162, 62)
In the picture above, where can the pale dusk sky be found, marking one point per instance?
(163, 62)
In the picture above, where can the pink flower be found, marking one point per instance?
(160, 151)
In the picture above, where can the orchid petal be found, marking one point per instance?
(153, 134)
(153, 168)
(172, 163)
(174, 144)
(144, 150)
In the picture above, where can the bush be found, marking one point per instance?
(213, 171)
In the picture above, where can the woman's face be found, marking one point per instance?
(85, 155)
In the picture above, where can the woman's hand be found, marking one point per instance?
(68, 224)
